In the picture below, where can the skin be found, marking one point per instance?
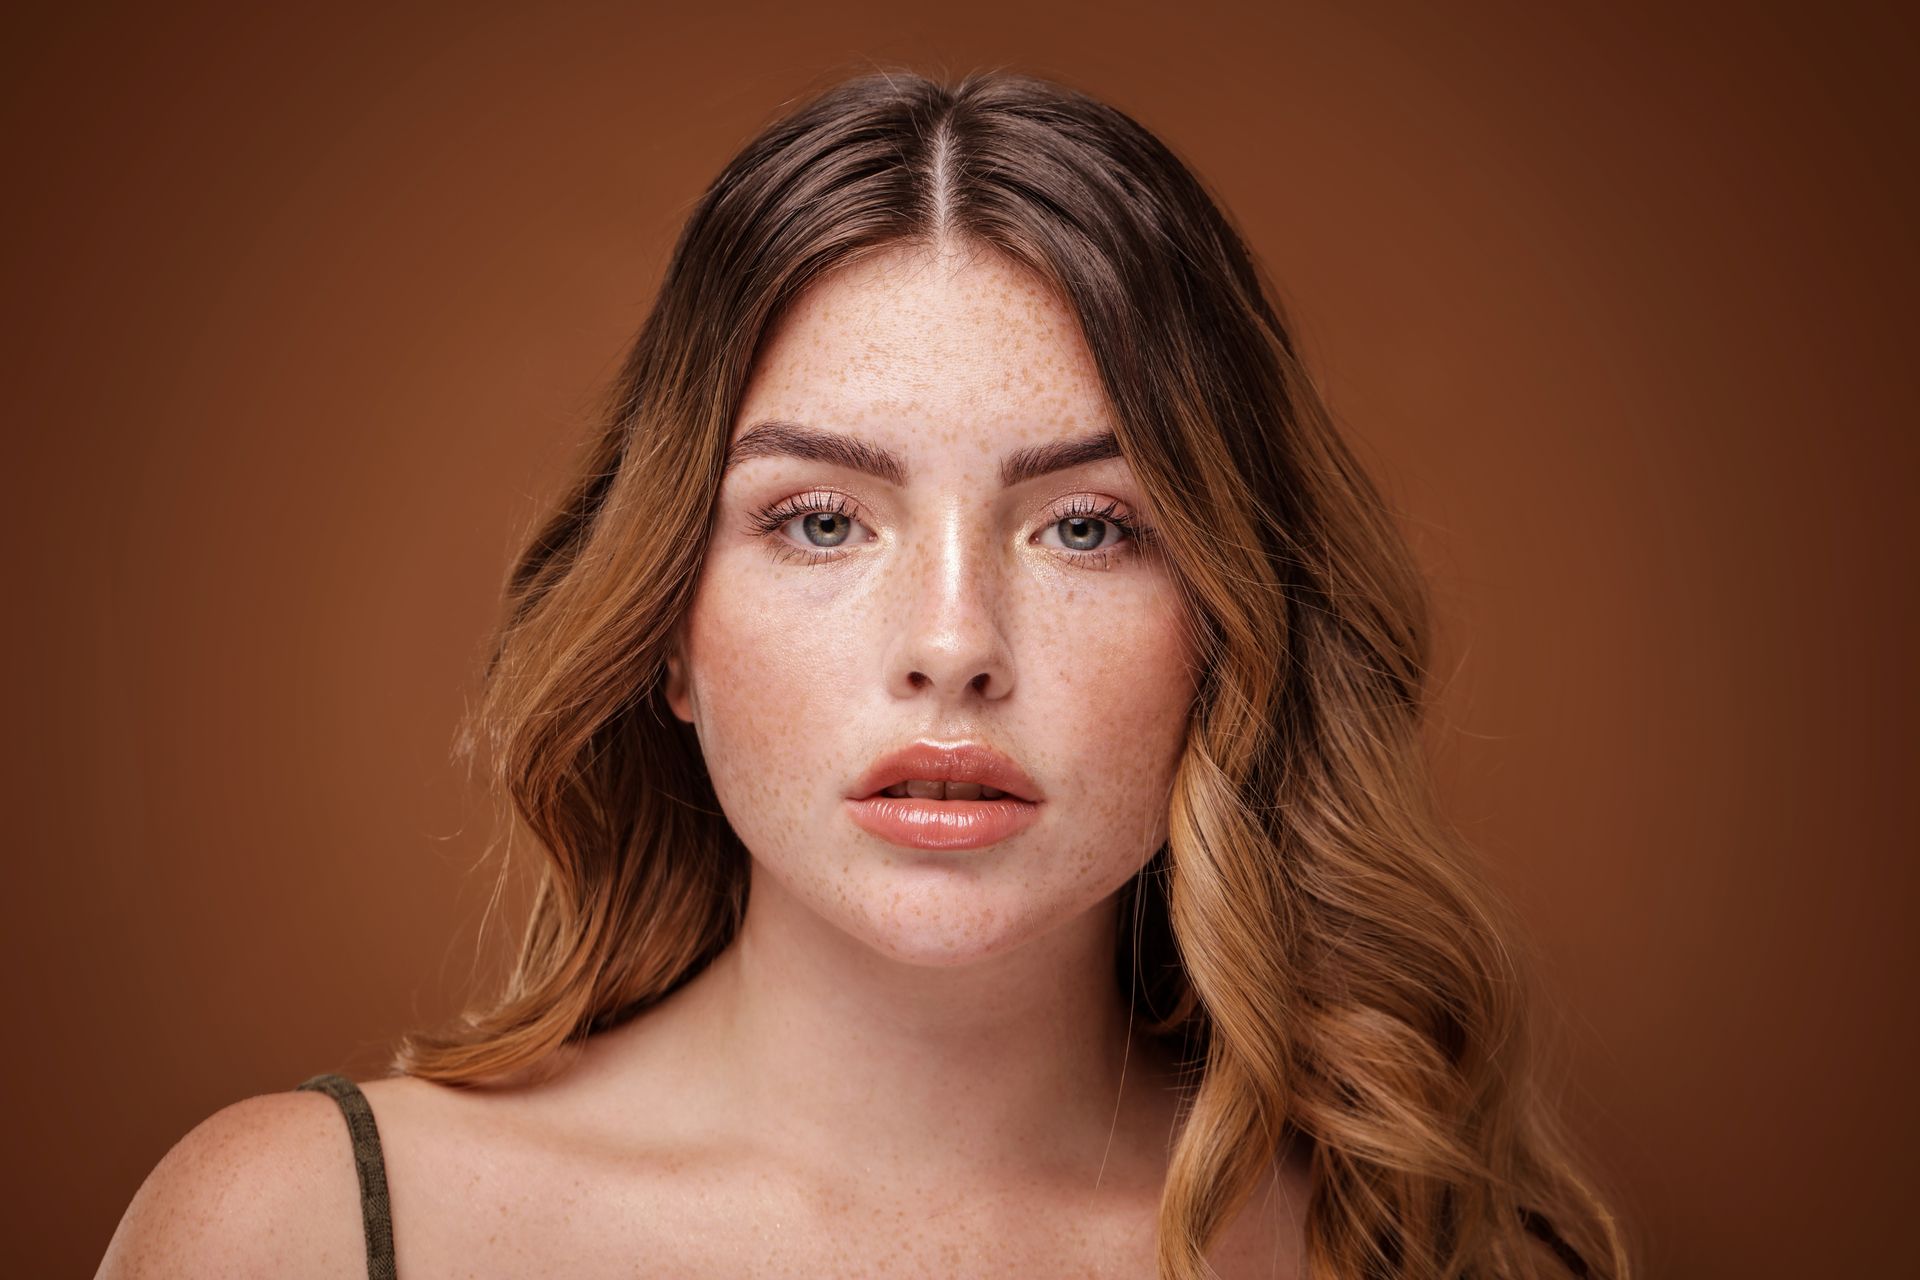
(909, 1063)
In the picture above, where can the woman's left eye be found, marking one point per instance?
(1092, 534)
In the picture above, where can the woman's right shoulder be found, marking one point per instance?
(263, 1186)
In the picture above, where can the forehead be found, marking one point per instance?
(914, 340)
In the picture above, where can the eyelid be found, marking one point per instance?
(1091, 504)
(770, 518)
(1135, 535)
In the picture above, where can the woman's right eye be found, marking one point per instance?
(811, 526)
(824, 528)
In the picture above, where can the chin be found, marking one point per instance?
(932, 918)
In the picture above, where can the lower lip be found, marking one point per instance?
(942, 824)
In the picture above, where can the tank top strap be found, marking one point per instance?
(376, 1210)
(1538, 1223)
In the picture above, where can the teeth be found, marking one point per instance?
(925, 789)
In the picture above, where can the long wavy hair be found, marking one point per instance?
(1312, 936)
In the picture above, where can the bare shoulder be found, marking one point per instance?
(265, 1185)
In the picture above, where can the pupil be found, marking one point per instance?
(1083, 534)
(834, 526)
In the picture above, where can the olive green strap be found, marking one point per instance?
(376, 1211)
(1536, 1222)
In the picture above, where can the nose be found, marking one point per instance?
(949, 584)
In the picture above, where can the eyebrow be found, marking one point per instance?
(778, 439)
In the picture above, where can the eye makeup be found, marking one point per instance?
(825, 512)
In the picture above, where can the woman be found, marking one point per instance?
(968, 711)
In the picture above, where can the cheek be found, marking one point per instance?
(1112, 688)
(757, 675)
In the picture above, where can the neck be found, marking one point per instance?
(1020, 1060)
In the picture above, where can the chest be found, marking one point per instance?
(691, 1223)
(480, 1201)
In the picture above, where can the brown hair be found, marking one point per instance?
(1312, 930)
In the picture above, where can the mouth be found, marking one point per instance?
(945, 773)
(934, 789)
(934, 796)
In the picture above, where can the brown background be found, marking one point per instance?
(306, 309)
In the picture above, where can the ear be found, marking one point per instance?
(676, 687)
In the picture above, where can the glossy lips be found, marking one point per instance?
(944, 824)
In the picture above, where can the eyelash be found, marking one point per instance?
(768, 523)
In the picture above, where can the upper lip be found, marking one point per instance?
(946, 762)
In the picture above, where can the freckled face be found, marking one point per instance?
(840, 615)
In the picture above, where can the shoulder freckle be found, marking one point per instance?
(265, 1185)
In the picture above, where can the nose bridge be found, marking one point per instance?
(949, 630)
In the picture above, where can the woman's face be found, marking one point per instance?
(842, 614)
